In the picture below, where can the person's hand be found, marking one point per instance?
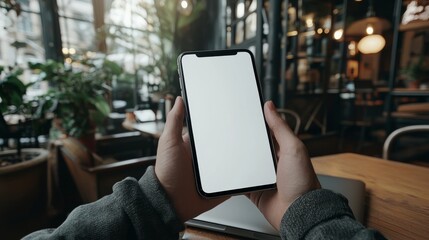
(295, 174)
(174, 170)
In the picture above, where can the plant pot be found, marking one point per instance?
(87, 137)
(23, 186)
(413, 84)
(88, 140)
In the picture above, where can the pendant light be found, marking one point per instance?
(373, 43)
(371, 27)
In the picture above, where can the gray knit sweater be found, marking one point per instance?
(141, 210)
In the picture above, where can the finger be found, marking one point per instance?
(174, 123)
(282, 133)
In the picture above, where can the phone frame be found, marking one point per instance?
(218, 53)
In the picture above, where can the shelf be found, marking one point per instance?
(313, 58)
(417, 25)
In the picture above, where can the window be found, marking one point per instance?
(20, 36)
(136, 34)
(21, 40)
(77, 29)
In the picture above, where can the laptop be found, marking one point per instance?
(239, 216)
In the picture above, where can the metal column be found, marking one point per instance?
(272, 75)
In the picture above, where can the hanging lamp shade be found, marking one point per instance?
(371, 44)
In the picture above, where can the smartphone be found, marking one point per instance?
(230, 140)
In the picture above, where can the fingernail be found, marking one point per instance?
(271, 106)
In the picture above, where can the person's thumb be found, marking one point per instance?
(282, 133)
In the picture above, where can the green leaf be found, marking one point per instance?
(15, 83)
(18, 72)
(114, 67)
(15, 99)
(35, 66)
(101, 105)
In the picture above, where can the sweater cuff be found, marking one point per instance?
(157, 198)
(310, 210)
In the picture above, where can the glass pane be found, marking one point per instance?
(29, 32)
(79, 9)
(253, 5)
(239, 32)
(129, 13)
(228, 36)
(77, 36)
(251, 25)
(139, 38)
(228, 15)
(21, 42)
(240, 10)
(30, 5)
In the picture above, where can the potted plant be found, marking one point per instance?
(12, 89)
(417, 73)
(26, 170)
(78, 95)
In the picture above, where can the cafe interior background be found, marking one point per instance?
(347, 75)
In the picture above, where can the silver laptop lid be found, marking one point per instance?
(239, 216)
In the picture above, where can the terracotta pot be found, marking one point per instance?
(413, 84)
(23, 186)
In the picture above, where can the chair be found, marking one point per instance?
(125, 145)
(387, 147)
(287, 114)
(94, 176)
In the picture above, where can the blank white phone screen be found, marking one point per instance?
(230, 136)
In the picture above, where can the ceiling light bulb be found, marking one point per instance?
(309, 22)
(369, 29)
(352, 45)
(338, 34)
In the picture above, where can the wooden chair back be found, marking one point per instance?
(94, 182)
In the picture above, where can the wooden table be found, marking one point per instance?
(153, 129)
(410, 93)
(404, 92)
(397, 195)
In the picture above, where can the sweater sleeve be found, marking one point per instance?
(135, 210)
(323, 214)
